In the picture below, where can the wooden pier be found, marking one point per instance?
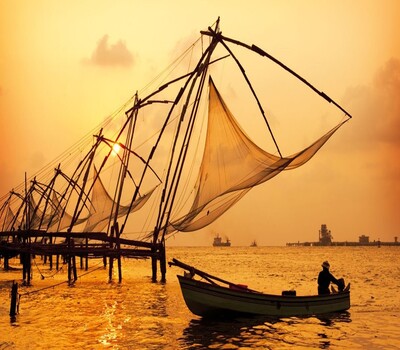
(69, 246)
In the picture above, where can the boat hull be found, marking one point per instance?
(205, 299)
(226, 244)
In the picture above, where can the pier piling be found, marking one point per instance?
(25, 258)
(163, 262)
(14, 297)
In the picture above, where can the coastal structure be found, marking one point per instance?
(325, 238)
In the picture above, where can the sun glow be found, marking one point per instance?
(116, 148)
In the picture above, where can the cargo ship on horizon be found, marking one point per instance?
(219, 243)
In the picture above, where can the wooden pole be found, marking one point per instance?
(29, 267)
(87, 255)
(14, 296)
(23, 261)
(51, 256)
(104, 261)
(69, 259)
(163, 262)
(74, 261)
(110, 268)
(203, 274)
(111, 262)
(6, 263)
(154, 263)
(119, 268)
(26, 268)
(116, 230)
(74, 268)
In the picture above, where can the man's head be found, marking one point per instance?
(325, 265)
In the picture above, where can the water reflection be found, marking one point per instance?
(207, 333)
(265, 333)
(111, 329)
(135, 313)
(331, 322)
(331, 319)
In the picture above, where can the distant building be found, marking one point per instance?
(363, 239)
(325, 236)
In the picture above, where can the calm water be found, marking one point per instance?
(138, 314)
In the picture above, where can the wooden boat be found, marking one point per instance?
(208, 298)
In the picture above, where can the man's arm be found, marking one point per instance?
(333, 279)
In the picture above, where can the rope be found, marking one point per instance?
(60, 283)
(41, 274)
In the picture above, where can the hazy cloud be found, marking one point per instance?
(371, 140)
(106, 54)
(387, 82)
(183, 44)
(37, 160)
(376, 110)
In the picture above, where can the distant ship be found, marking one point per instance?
(253, 244)
(218, 242)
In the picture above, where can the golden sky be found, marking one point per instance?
(66, 65)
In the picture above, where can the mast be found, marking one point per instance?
(170, 189)
(81, 198)
(177, 161)
(261, 52)
(27, 211)
(125, 160)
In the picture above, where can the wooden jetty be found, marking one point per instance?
(82, 245)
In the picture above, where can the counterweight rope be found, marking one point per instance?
(95, 268)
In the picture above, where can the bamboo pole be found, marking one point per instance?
(203, 274)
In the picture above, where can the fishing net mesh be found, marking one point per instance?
(232, 164)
